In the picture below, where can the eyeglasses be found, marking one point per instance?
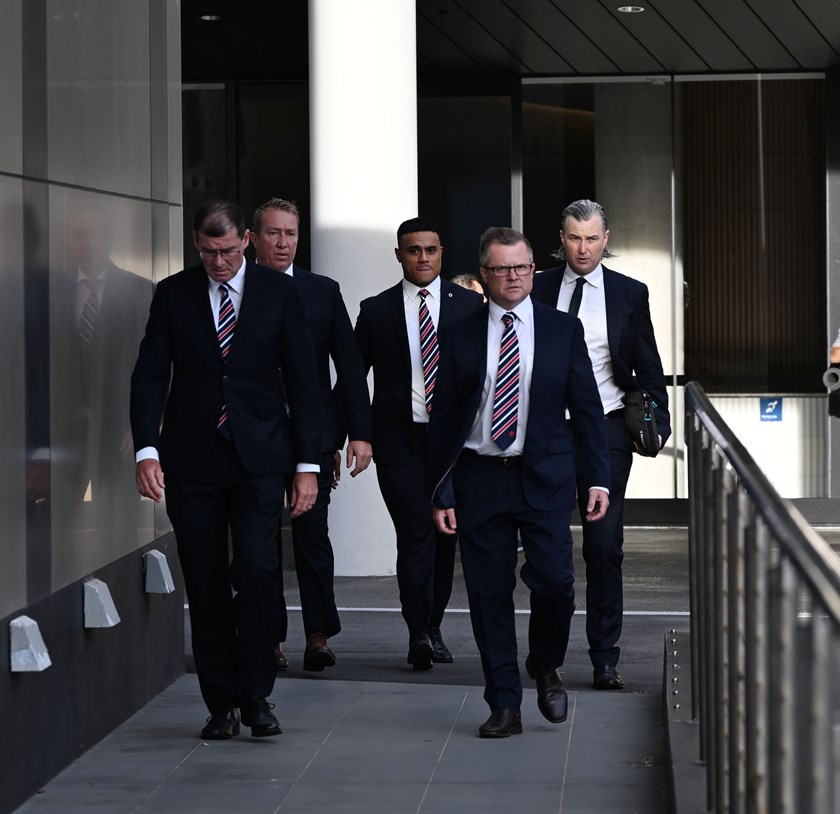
(503, 271)
(212, 254)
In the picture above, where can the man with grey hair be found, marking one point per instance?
(615, 313)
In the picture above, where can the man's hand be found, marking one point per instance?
(361, 453)
(445, 521)
(597, 505)
(304, 493)
(149, 478)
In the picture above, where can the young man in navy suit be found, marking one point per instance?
(501, 460)
(208, 365)
(615, 313)
(345, 412)
(398, 332)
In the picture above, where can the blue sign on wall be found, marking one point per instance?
(771, 409)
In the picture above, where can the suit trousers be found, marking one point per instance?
(314, 561)
(603, 551)
(491, 510)
(233, 637)
(425, 559)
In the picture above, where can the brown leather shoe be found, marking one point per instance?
(502, 723)
(318, 654)
(279, 659)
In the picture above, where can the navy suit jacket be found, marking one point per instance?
(180, 356)
(345, 408)
(635, 358)
(561, 378)
(383, 341)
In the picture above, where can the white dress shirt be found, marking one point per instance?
(479, 438)
(411, 303)
(593, 315)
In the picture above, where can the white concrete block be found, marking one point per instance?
(158, 576)
(100, 610)
(28, 651)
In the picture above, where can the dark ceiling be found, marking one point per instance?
(268, 40)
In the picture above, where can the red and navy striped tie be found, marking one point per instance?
(227, 324)
(506, 396)
(429, 351)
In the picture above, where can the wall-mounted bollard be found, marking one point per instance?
(100, 610)
(158, 576)
(28, 651)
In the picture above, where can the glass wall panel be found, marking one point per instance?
(100, 290)
(16, 469)
(11, 89)
(99, 99)
(612, 142)
(464, 147)
(273, 152)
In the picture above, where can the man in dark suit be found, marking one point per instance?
(501, 461)
(99, 314)
(345, 412)
(404, 356)
(615, 313)
(217, 335)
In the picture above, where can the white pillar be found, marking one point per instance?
(363, 145)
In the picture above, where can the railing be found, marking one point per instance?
(765, 633)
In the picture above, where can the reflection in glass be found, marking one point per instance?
(98, 313)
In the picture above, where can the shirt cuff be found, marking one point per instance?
(146, 454)
(602, 488)
(308, 468)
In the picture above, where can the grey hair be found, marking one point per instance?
(581, 211)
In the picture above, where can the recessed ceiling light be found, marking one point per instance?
(210, 18)
(630, 9)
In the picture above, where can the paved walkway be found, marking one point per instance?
(372, 736)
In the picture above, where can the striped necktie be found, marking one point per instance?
(227, 324)
(90, 310)
(506, 396)
(429, 351)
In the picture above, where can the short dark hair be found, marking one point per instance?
(417, 225)
(504, 236)
(275, 203)
(216, 218)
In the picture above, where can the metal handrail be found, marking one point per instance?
(765, 633)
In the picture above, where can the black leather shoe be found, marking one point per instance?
(280, 659)
(420, 653)
(318, 654)
(256, 713)
(502, 723)
(606, 677)
(552, 700)
(440, 652)
(222, 726)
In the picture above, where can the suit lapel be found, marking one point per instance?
(613, 307)
(200, 300)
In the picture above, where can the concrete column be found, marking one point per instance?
(363, 88)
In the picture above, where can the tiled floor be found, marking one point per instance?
(372, 747)
(372, 736)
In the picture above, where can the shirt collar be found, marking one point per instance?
(595, 277)
(412, 291)
(236, 283)
(524, 311)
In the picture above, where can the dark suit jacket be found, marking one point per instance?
(561, 378)
(635, 358)
(180, 354)
(383, 341)
(345, 408)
